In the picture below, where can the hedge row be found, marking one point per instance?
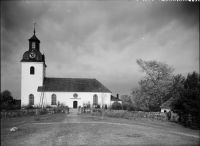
(32, 112)
(131, 114)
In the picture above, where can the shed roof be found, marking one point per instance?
(113, 98)
(72, 85)
(168, 103)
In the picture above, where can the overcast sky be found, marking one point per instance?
(99, 39)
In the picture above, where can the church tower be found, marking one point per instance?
(32, 73)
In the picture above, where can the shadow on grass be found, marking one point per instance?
(192, 127)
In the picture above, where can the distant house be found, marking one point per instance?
(115, 99)
(166, 107)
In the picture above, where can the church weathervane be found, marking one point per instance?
(34, 26)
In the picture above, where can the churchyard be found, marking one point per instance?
(88, 129)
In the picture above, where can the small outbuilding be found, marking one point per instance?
(166, 106)
(115, 99)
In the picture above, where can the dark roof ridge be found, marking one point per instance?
(102, 85)
(167, 103)
(72, 85)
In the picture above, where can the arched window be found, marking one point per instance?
(32, 70)
(53, 99)
(95, 99)
(31, 99)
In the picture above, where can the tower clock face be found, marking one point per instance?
(32, 55)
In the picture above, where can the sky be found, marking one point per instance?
(99, 39)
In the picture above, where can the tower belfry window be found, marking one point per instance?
(32, 70)
(33, 45)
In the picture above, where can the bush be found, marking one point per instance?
(118, 114)
(62, 105)
(8, 106)
(98, 106)
(48, 106)
(96, 111)
(145, 109)
(42, 111)
(168, 114)
(128, 106)
(116, 106)
(133, 115)
(29, 107)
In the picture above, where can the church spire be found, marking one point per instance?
(34, 28)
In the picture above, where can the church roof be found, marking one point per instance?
(72, 85)
(39, 57)
(34, 38)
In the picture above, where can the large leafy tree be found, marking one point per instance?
(6, 96)
(126, 99)
(188, 103)
(140, 99)
(155, 85)
(127, 102)
(177, 86)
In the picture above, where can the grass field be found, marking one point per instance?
(84, 129)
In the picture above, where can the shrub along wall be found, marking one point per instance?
(132, 114)
(32, 112)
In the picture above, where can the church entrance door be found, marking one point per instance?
(75, 103)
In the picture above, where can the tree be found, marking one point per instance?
(6, 96)
(177, 86)
(140, 99)
(188, 103)
(127, 102)
(126, 98)
(155, 86)
(116, 106)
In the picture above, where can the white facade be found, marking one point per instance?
(68, 99)
(30, 82)
(165, 109)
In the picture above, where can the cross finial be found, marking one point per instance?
(34, 27)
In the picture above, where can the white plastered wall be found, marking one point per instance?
(165, 109)
(67, 98)
(30, 83)
(116, 101)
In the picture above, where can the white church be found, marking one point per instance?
(37, 89)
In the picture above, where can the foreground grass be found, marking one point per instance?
(17, 121)
(24, 124)
(157, 124)
(84, 129)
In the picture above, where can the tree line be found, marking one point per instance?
(159, 85)
(8, 102)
